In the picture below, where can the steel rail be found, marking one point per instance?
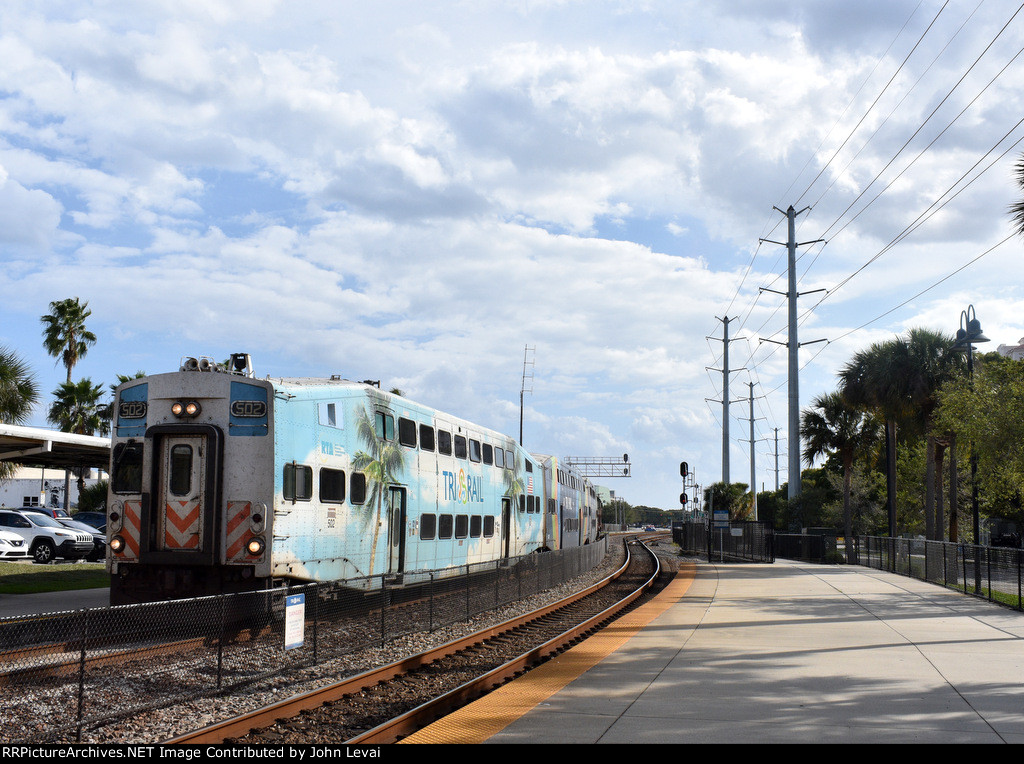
(263, 717)
(417, 718)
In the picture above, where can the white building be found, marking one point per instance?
(37, 486)
(1014, 352)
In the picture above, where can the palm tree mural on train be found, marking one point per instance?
(382, 462)
(512, 474)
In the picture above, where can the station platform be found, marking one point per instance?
(782, 653)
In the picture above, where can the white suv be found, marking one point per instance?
(12, 546)
(46, 538)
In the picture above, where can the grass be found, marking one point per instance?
(26, 578)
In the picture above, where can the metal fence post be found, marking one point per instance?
(220, 642)
(81, 676)
(316, 621)
(988, 570)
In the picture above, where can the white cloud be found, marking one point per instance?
(415, 192)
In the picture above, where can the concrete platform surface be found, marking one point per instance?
(790, 653)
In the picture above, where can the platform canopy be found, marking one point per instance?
(38, 447)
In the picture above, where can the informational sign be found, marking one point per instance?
(294, 621)
(721, 518)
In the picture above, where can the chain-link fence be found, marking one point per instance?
(749, 541)
(994, 573)
(62, 672)
(809, 547)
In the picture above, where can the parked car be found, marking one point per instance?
(12, 546)
(47, 539)
(94, 519)
(53, 512)
(99, 540)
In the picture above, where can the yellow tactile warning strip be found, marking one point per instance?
(486, 717)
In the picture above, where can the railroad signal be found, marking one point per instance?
(683, 498)
(684, 469)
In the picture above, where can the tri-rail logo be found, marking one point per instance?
(462, 488)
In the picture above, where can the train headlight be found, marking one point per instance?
(255, 546)
(117, 544)
(186, 408)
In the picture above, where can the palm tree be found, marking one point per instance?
(64, 333)
(77, 408)
(18, 389)
(832, 426)
(875, 380)
(930, 364)
(383, 461)
(18, 394)
(1017, 208)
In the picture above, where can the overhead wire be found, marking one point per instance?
(946, 197)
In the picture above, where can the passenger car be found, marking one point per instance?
(12, 546)
(99, 541)
(47, 539)
(53, 512)
(93, 519)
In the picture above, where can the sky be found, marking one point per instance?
(452, 196)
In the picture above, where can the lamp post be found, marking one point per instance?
(968, 334)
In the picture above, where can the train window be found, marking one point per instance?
(180, 479)
(529, 466)
(332, 486)
(475, 525)
(298, 482)
(551, 506)
(444, 442)
(488, 453)
(407, 432)
(444, 527)
(461, 526)
(488, 526)
(384, 425)
(357, 488)
(428, 527)
(329, 414)
(460, 447)
(499, 458)
(522, 503)
(509, 461)
(474, 450)
(426, 437)
(127, 469)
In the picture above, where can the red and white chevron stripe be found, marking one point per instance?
(238, 531)
(130, 530)
(181, 524)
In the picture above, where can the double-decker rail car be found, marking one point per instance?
(572, 505)
(223, 482)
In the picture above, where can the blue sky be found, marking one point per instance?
(416, 192)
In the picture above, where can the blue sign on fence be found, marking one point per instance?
(294, 621)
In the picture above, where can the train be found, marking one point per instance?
(223, 482)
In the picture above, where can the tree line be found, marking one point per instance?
(895, 441)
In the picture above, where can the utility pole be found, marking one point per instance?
(753, 466)
(527, 375)
(794, 351)
(776, 459)
(725, 396)
(753, 483)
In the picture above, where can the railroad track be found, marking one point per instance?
(388, 703)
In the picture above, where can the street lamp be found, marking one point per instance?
(968, 334)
